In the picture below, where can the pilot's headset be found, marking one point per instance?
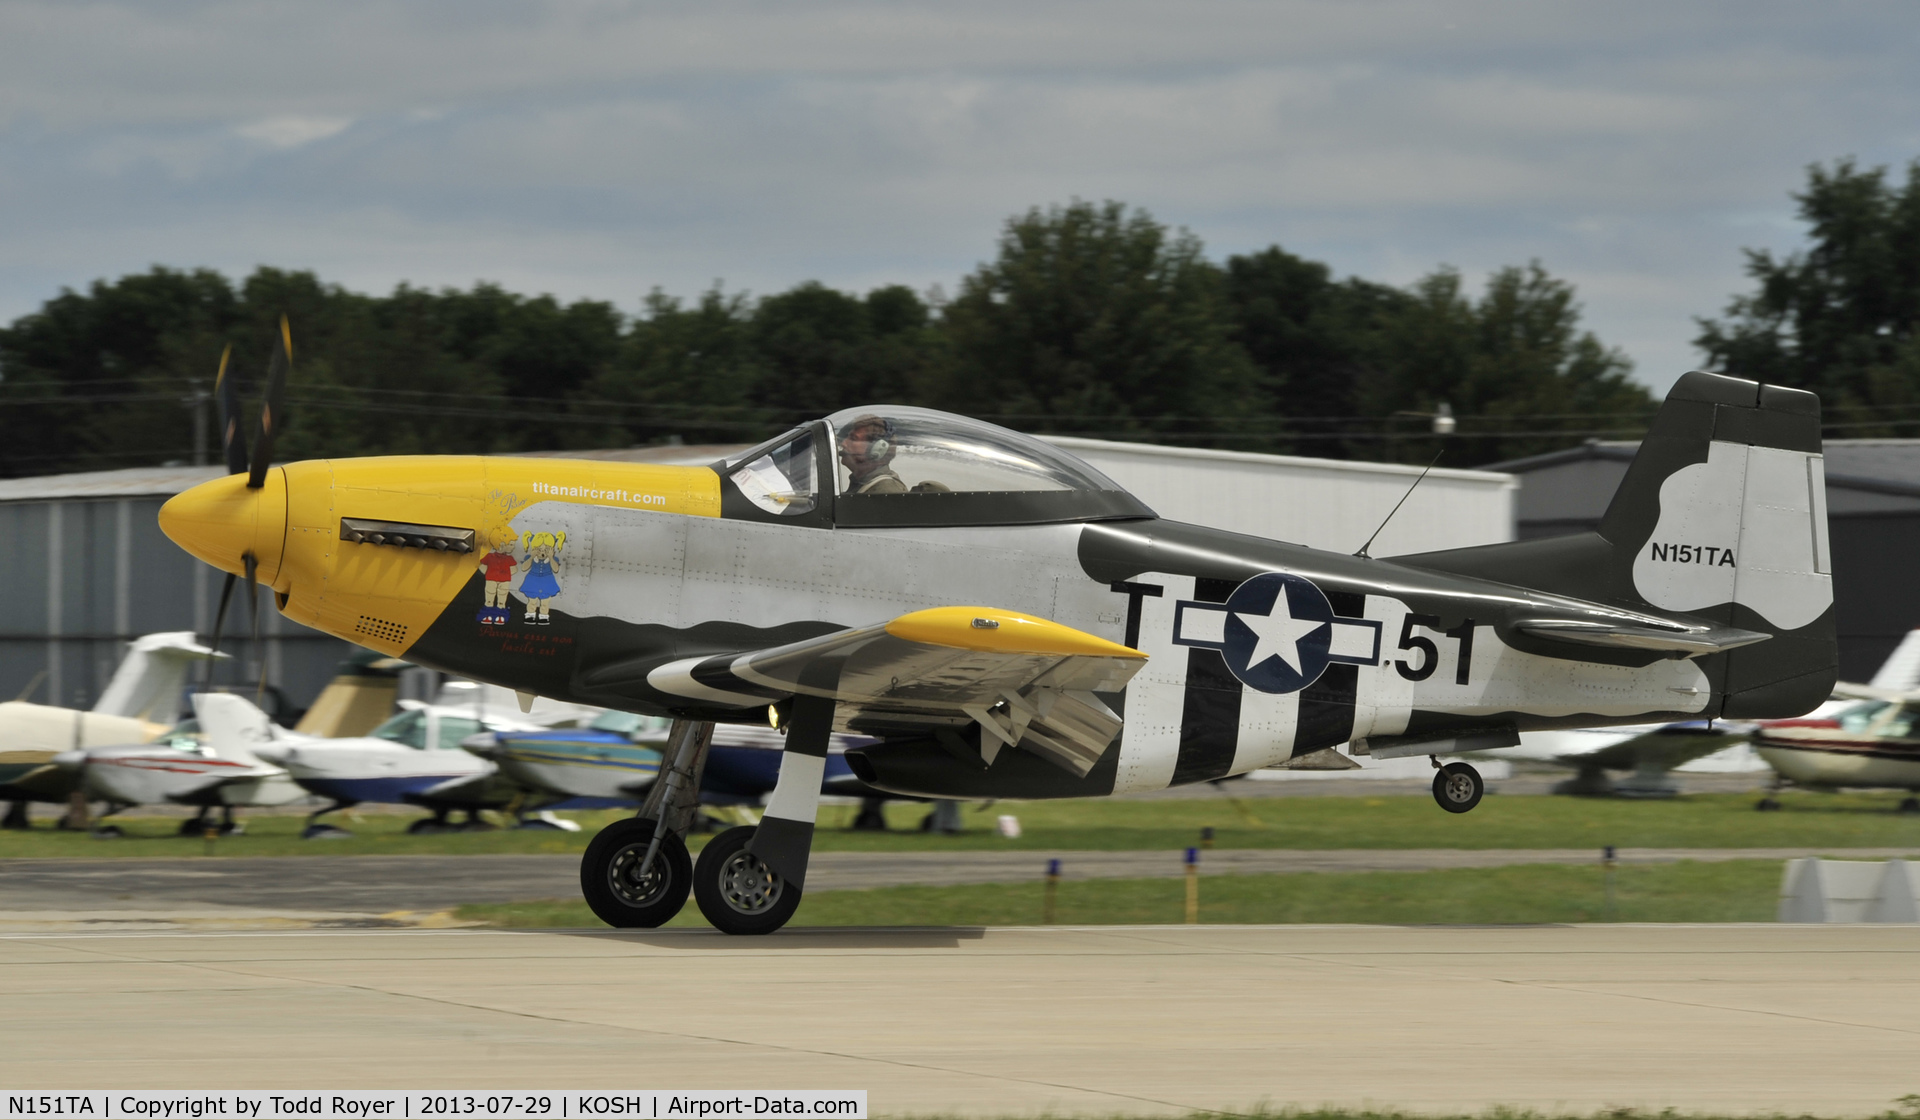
(877, 449)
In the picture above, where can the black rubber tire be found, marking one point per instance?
(1458, 788)
(606, 875)
(428, 826)
(736, 892)
(1766, 805)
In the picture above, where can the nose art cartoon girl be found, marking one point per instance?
(539, 587)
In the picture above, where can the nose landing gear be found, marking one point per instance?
(1458, 787)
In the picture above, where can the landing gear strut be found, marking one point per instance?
(748, 880)
(1457, 787)
(314, 830)
(636, 873)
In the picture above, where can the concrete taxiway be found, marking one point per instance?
(1147, 1020)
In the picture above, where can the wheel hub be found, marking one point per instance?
(629, 886)
(1459, 787)
(748, 885)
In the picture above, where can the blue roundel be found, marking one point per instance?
(1277, 632)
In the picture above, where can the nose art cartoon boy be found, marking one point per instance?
(497, 565)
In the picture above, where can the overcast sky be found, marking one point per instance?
(602, 149)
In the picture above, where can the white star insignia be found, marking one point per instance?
(1279, 634)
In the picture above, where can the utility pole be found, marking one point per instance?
(198, 400)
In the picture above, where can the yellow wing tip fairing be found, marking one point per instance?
(1002, 631)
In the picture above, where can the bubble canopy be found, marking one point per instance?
(899, 465)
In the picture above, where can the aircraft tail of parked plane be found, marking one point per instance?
(1722, 515)
(148, 683)
(232, 726)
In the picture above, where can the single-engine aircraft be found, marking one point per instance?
(1863, 738)
(140, 702)
(212, 769)
(1006, 622)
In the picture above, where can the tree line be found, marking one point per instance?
(1090, 319)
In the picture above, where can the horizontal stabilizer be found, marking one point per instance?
(1670, 639)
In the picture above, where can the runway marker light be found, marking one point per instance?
(1193, 886)
(1206, 838)
(1050, 893)
(1008, 826)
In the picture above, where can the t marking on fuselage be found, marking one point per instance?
(1277, 632)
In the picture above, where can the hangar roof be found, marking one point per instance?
(1863, 476)
(128, 482)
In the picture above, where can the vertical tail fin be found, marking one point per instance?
(148, 682)
(1722, 515)
(233, 726)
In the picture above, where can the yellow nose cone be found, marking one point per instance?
(222, 521)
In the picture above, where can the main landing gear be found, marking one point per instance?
(199, 824)
(748, 880)
(636, 873)
(1457, 787)
(737, 891)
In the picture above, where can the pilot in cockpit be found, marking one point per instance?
(866, 450)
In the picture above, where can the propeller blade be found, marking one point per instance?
(219, 623)
(253, 608)
(270, 408)
(232, 444)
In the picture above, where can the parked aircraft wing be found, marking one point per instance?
(488, 789)
(1026, 681)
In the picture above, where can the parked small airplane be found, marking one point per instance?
(1863, 738)
(217, 769)
(615, 759)
(414, 758)
(1005, 621)
(140, 702)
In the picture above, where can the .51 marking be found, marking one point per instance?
(1430, 653)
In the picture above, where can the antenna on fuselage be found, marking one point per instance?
(1362, 554)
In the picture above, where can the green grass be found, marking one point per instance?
(1808, 820)
(1736, 891)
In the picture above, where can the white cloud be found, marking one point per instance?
(293, 131)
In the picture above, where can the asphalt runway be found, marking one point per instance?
(1789, 1020)
(372, 885)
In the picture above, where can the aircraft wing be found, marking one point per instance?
(1026, 681)
(488, 789)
